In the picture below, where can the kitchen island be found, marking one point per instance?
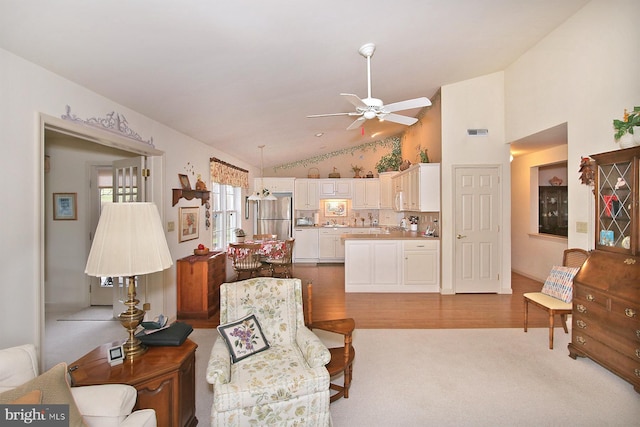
(398, 261)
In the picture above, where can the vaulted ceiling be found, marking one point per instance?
(238, 74)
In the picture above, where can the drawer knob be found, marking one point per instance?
(581, 340)
(591, 298)
(581, 324)
(637, 372)
(581, 308)
(638, 333)
(630, 312)
(638, 353)
(629, 261)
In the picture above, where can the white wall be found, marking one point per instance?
(473, 104)
(28, 91)
(584, 73)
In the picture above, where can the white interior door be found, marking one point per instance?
(477, 226)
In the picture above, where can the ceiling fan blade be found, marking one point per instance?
(407, 105)
(357, 123)
(355, 100)
(397, 118)
(333, 114)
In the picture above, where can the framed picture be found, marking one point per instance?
(184, 182)
(335, 208)
(65, 206)
(188, 224)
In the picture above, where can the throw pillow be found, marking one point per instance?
(559, 284)
(243, 337)
(34, 397)
(55, 390)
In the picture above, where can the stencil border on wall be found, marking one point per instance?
(113, 122)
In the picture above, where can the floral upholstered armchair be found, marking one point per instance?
(266, 367)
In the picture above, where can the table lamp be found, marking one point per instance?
(129, 241)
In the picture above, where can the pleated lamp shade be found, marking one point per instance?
(129, 241)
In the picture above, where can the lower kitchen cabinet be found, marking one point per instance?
(421, 264)
(383, 265)
(330, 245)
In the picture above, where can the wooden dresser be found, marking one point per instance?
(199, 280)
(606, 301)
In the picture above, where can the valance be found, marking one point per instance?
(228, 174)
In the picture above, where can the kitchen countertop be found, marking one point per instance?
(393, 235)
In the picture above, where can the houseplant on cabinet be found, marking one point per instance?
(628, 129)
(391, 161)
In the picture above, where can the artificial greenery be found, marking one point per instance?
(629, 120)
(391, 161)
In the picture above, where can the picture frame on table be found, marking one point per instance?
(189, 224)
(65, 206)
(184, 182)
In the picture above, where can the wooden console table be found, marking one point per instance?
(163, 376)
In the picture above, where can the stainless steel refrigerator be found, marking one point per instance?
(275, 216)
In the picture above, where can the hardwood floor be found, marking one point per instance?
(413, 311)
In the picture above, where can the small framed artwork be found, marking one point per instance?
(188, 224)
(115, 355)
(184, 182)
(335, 208)
(65, 206)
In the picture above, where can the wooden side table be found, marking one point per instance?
(163, 376)
(341, 357)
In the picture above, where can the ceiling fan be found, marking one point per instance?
(369, 108)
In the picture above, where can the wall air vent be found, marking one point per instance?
(477, 132)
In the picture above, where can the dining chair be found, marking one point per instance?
(341, 362)
(549, 300)
(245, 259)
(283, 263)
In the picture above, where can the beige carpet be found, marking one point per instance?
(432, 377)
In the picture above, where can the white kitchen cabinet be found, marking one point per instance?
(330, 245)
(305, 248)
(305, 194)
(372, 265)
(386, 190)
(420, 188)
(335, 188)
(421, 264)
(275, 185)
(366, 193)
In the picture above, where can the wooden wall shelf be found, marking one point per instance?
(179, 193)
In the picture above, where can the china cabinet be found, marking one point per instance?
(553, 210)
(606, 299)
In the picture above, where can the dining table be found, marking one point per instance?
(271, 249)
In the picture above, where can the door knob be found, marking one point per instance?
(460, 236)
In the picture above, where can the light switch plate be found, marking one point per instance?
(171, 226)
(581, 227)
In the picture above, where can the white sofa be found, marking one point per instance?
(106, 405)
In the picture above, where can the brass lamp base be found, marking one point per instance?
(130, 320)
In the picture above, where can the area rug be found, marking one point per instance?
(464, 377)
(93, 313)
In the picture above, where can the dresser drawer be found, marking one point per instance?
(623, 365)
(585, 295)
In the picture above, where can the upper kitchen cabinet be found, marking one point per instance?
(335, 188)
(386, 190)
(417, 189)
(617, 195)
(275, 185)
(366, 193)
(305, 194)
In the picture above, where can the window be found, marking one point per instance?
(225, 213)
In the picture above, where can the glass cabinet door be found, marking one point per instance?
(614, 206)
(553, 210)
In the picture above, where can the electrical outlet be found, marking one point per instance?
(581, 227)
(171, 226)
